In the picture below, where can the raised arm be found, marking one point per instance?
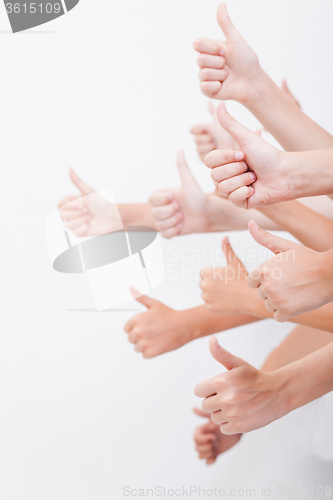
(93, 215)
(162, 329)
(259, 174)
(225, 290)
(231, 70)
(242, 398)
(309, 227)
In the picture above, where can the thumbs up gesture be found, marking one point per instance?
(229, 69)
(209, 441)
(296, 280)
(225, 289)
(182, 210)
(160, 329)
(242, 398)
(88, 215)
(211, 136)
(257, 174)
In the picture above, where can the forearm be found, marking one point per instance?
(292, 128)
(136, 214)
(312, 229)
(307, 379)
(203, 322)
(320, 319)
(224, 216)
(309, 173)
(301, 342)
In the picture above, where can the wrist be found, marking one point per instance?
(193, 327)
(254, 306)
(138, 214)
(308, 173)
(284, 388)
(124, 213)
(262, 87)
(325, 272)
(212, 214)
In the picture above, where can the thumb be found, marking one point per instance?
(226, 25)
(82, 186)
(230, 255)
(143, 299)
(287, 91)
(225, 358)
(274, 243)
(183, 169)
(201, 413)
(239, 132)
(212, 110)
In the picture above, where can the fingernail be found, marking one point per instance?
(245, 165)
(239, 155)
(252, 190)
(226, 240)
(253, 176)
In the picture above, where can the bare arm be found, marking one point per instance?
(310, 228)
(161, 329)
(292, 128)
(242, 79)
(136, 214)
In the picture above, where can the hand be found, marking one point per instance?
(225, 289)
(211, 136)
(243, 398)
(158, 330)
(209, 441)
(88, 215)
(296, 280)
(182, 210)
(228, 70)
(261, 180)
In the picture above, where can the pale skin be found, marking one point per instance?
(230, 70)
(92, 216)
(296, 280)
(259, 174)
(162, 329)
(229, 304)
(173, 212)
(312, 229)
(225, 290)
(188, 210)
(211, 136)
(209, 441)
(243, 399)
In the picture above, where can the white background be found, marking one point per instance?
(111, 89)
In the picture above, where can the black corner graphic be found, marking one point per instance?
(70, 4)
(25, 14)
